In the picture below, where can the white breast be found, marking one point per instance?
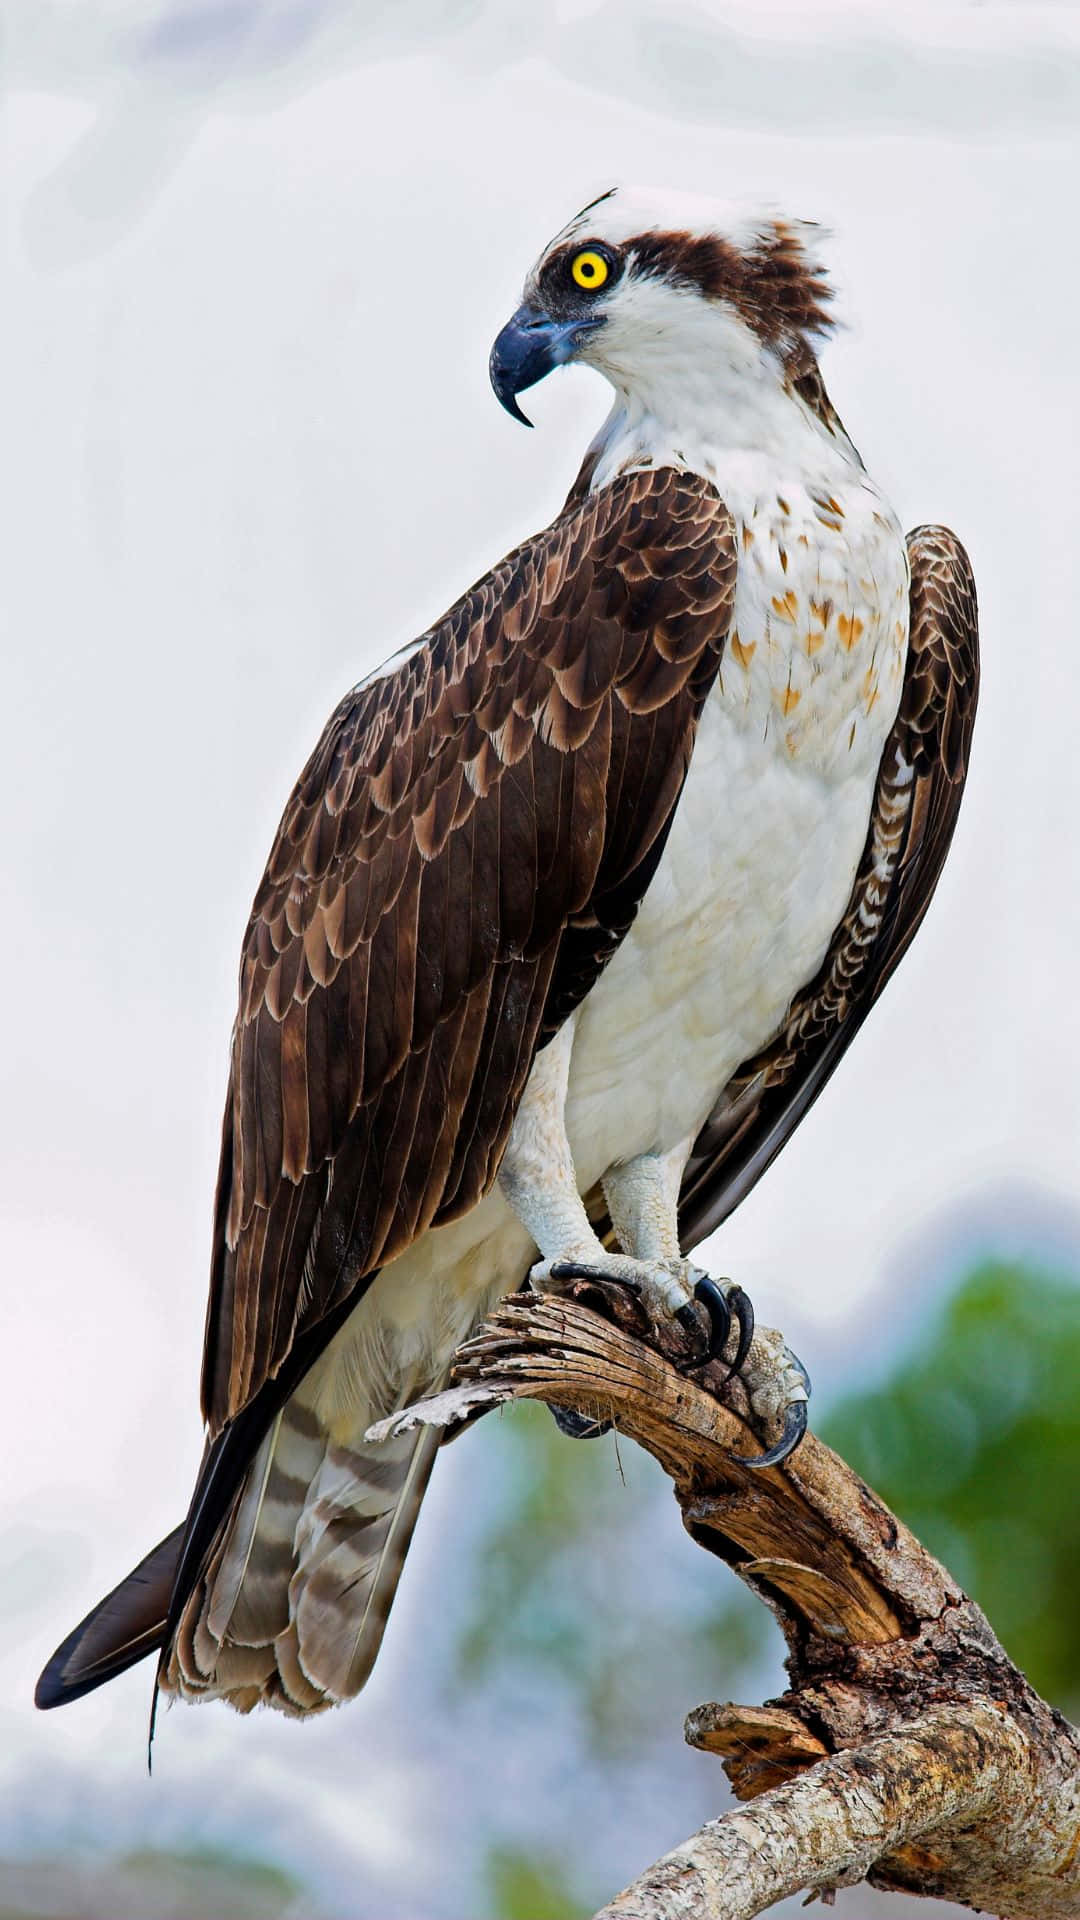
(762, 854)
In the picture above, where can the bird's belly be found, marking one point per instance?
(754, 879)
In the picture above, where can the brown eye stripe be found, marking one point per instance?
(775, 288)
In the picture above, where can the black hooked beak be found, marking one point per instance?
(529, 346)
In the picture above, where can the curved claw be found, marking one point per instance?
(795, 1422)
(742, 1307)
(580, 1270)
(578, 1426)
(716, 1304)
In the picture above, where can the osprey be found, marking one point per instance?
(573, 911)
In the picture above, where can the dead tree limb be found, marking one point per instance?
(908, 1750)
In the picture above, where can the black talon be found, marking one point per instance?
(795, 1421)
(741, 1306)
(718, 1305)
(576, 1270)
(689, 1322)
(578, 1426)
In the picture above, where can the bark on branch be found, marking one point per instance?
(908, 1750)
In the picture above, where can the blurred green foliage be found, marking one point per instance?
(152, 1883)
(584, 1581)
(522, 1888)
(975, 1441)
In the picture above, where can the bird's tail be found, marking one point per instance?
(291, 1607)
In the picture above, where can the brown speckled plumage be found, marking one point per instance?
(461, 856)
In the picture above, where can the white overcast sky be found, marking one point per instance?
(255, 257)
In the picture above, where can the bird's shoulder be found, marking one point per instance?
(629, 588)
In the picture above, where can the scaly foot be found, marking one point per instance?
(774, 1382)
(777, 1388)
(667, 1290)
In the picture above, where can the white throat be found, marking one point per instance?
(695, 387)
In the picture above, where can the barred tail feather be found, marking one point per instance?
(277, 1589)
(291, 1607)
(352, 1542)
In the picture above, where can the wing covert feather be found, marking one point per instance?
(460, 857)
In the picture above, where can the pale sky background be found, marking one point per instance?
(255, 256)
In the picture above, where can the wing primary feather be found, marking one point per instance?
(123, 1628)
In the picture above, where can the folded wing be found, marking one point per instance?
(461, 856)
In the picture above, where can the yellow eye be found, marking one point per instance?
(589, 269)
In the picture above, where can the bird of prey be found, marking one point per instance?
(573, 911)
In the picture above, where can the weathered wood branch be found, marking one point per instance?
(908, 1750)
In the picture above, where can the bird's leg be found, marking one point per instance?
(643, 1202)
(537, 1173)
(538, 1178)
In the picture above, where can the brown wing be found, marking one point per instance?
(462, 854)
(918, 797)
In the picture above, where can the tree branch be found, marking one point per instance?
(829, 1826)
(908, 1750)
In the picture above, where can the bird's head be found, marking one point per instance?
(679, 302)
